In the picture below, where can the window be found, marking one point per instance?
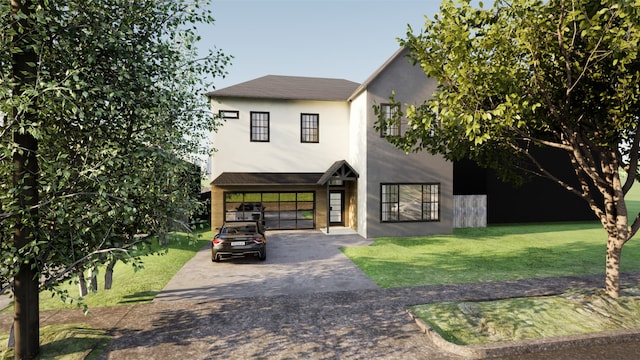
(309, 125)
(229, 114)
(278, 210)
(260, 126)
(409, 202)
(391, 126)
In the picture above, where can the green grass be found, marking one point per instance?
(79, 341)
(498, 252)
(575, 312)
(487, 254)
(130, 286)
(510, 252)
(64, 342)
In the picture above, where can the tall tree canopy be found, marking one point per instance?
(101, 104)
(525, 74)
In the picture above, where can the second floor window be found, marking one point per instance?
(309, 128)
(260, 126)
(391, 126)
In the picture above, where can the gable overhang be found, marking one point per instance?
(400, 52)
(340, 170)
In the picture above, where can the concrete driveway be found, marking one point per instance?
(298, 262)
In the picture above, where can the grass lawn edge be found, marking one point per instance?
(629, 332)
(521, 347)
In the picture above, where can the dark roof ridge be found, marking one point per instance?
(284, 87)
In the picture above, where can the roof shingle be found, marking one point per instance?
(289, 88)
(248, 178)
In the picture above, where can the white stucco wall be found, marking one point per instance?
(358, 155)
(284, 152)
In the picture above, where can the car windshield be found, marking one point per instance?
(245, 229)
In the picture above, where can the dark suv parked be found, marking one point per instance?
(241, 238)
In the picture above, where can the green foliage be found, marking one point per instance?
(119, 116)
(524, 74)
(132, 286)
(532, 74)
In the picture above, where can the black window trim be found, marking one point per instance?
(229, 114)
(423, 184)
(384, 131)
(251, 126)
(302, 128)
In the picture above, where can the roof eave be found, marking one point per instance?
(373, 76)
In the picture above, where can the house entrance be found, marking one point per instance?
(336, 207)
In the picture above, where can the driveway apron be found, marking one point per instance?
(298, 262)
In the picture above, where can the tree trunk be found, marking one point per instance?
(612, 272)
(25, 180)
(82, 284)
(108, 274)
(93, 278)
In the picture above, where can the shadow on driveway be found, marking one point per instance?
(298, 262)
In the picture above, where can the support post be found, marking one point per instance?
(328, 205)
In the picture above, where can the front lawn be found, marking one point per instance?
(80, 341)
(131, 286)
(508, 252)
(501, 252)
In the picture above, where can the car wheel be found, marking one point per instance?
(214, 257)
(263, 255)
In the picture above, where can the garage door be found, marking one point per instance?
(280, 210)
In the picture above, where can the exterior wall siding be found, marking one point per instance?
(358, 157)
(284, 152)
(386, 164)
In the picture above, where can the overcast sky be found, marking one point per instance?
(344, 39)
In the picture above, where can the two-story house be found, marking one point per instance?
(302, 153)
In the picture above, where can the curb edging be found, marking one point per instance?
(526, 346)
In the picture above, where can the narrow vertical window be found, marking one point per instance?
(391, 125)
(260, 126)
(389, 198)
(309, 128)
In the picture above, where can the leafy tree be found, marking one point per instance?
(101, 106)
(527, 74)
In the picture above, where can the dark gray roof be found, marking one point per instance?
(243, 178)
(340, 170)
(289, 88)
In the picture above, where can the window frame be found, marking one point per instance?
(389, 129)
(229, 114)
(391, 196)
(310, 129)
(254, 135)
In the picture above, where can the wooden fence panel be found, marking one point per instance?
(469, 211)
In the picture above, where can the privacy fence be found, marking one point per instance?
(469, 211)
